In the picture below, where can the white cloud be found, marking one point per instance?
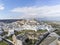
(45, 11)
(2, 7)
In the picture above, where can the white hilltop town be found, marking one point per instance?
(28, 32)
(27, 25)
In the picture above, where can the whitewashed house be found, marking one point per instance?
(10, 32)
(1, 30)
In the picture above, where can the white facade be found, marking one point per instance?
(29, 27)
(1, 31)
(19, 42)
(10, 32)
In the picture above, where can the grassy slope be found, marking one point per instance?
(3, 43)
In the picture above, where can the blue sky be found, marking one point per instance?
(16, 9)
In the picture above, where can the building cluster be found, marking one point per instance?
(24, 25)
(20, 39)
(51, 39)
(28, 25)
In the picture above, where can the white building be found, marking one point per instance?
(10, 32)
(1, 30)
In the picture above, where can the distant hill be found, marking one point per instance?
(9, 20)
(49, 19)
